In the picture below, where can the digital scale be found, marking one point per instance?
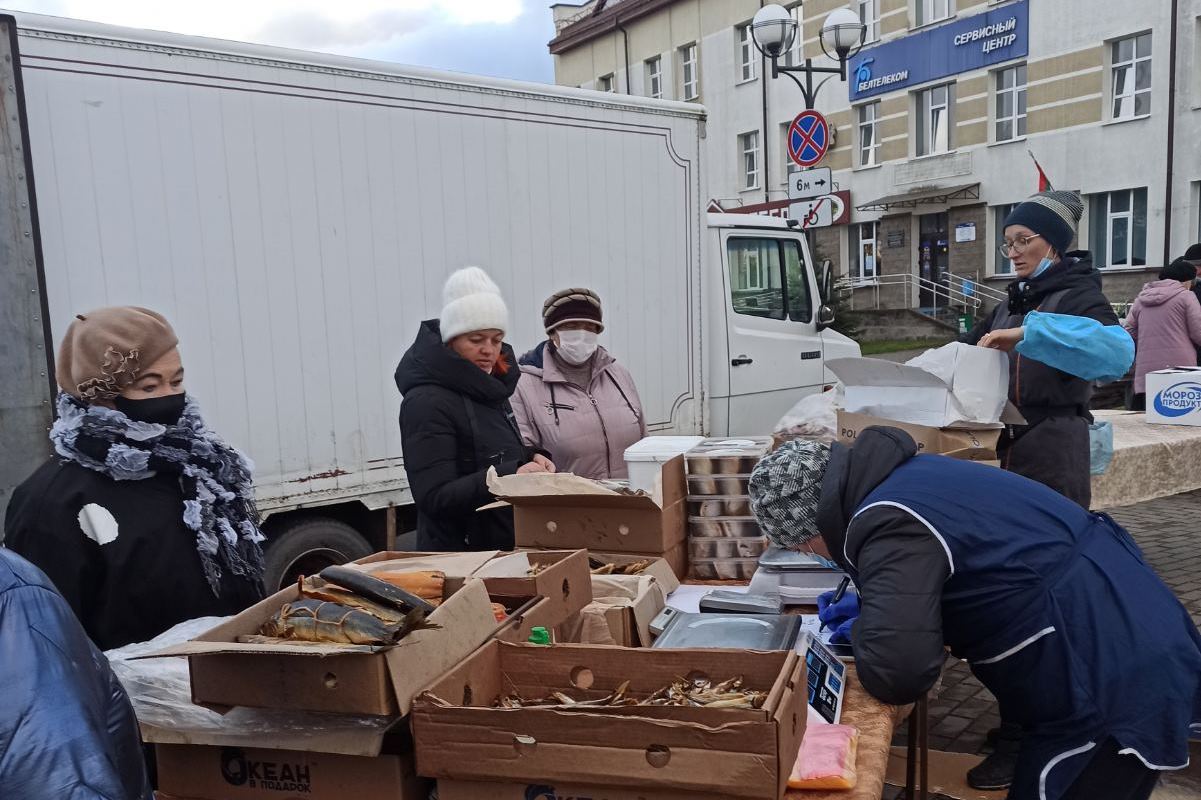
(827, 678)
(796, 578)
(683, 629)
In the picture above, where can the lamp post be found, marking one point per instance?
(774, 31)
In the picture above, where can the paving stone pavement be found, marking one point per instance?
(1168, 531)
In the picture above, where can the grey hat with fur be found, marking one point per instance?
(785, 489)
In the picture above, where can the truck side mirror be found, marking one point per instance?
(826, 282)
(825, 317)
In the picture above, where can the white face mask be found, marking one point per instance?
(576, 347)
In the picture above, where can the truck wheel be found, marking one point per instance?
(307, 546)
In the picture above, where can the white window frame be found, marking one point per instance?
(690, 89)
(606, 83)
(927, 12)
(1109, 216)
(795, 55)
(869, 15)
(868, 156)
(926, 138)
(1129, 69)
(747, 54)
(654, 77)
(1002, 267)
(1017, 93)
(748, 158)
(857, 241)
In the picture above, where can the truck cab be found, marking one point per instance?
(770, 335)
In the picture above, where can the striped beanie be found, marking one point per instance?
(1053, 215)
(572, 305)
(785, 489)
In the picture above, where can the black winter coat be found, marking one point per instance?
(146, 580)
(901, 656)
(455, 423)
(1053, 448)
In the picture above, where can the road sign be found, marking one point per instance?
(808, 138)
(814, 213)
(809, 183)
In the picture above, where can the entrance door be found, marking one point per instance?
(932, 251)
(774, 346)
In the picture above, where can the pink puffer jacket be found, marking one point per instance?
(1165, 323)
(586, 430)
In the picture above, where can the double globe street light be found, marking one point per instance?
(774, 31)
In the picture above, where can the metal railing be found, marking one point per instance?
(968, 286)
(921, 294)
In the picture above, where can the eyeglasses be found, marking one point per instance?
(1017, 245)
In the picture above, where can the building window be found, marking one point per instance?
(1131, 76)
(794, 56)
(1118, 228)
(869, 134)
(746, 54)
(926, 12)
(934, 120)
(869, 15)
(748, 143)
(654, 77)
(1011, 103)
(864, 247)
(768, 279)
(1004, 265)
(691, 81)
(605, 83)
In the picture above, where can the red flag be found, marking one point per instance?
(1044, 183)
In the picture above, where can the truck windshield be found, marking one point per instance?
(768, 279)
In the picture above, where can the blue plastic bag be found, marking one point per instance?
(1100, 446)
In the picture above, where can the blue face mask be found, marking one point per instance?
(825, 562)
(1042, 267)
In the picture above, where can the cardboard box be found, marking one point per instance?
(333, 677)
(233, 773)
(970, 444)
(1174, 396)
(473, 790)
(554, 512)
(623, 605)
(956, 385)
(729, 752)
(561, 588)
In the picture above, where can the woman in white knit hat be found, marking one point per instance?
(456, 421)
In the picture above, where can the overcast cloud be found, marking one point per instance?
(504, 38)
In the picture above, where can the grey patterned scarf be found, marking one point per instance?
(215, 478)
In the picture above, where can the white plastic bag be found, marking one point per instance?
(814, 417)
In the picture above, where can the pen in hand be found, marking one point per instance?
(838, 594)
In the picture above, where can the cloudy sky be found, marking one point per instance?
(505, 38)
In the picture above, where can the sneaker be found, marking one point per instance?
(993, 773)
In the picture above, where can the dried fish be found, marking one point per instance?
(599, 567)
(697, 693)
(311, 620)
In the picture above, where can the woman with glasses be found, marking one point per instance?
(1061, 335)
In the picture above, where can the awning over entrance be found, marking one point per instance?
(924, 195)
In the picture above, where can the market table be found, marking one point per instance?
(1149, 461)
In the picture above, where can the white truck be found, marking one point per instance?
(295, 214)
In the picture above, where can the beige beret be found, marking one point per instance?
(104, 350)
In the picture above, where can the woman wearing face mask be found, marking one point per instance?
(1165, 323)
(1061, 335)
(574, 399)
(143, 518)
(456, 421)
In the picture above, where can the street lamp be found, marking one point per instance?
(774, 31)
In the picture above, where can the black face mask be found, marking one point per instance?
(161, 410)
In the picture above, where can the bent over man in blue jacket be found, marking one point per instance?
(1052, 606)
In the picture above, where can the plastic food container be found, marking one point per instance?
(719, 506)
(718, 569)
(726, 548)
(736, 527)
(722, 485)
(645, 458)
(727, 456)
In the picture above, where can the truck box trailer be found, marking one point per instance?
(294, 215)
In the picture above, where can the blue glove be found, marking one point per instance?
(842, 634)
(832, 616)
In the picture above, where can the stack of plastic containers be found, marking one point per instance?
(724, 541)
